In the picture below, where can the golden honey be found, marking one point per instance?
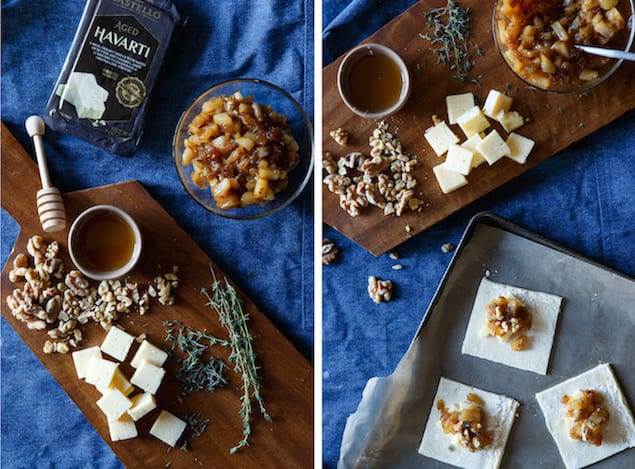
(374, 82)
(105, 242)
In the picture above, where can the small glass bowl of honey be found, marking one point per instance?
(104, 242)
(373, 81)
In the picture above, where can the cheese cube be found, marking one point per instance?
(473, 121)
(117, 343)
(113, 403)
(495, 103)
(519, 147)
(122, 429)
(457, 104)
(168, 428)
(448, 180)
(459, 159)
(510, 120)
(470, 144)
(148, 377)
(81, 359)
(142, 404)
(100, 372)
(440, 137)
(493, 147)
(120, 382)
(148, 352)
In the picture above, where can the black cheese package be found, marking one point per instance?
(103, 90)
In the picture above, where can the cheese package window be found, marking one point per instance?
(499, 414)
(544, 309)
(618, 432)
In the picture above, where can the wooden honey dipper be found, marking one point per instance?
(50, 205)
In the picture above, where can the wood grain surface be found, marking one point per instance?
(287, 377)
(555, 121)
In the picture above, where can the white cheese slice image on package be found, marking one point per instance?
(544, 309)
(618, 433)
(500, 412)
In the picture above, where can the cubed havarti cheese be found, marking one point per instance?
(100, 372)
(457, 104)
(122, 383)
(148, 376)
(142, 404)
(123, 428)
(448, 180)
(473, 121)
(470, 144)
(495, 103)
(81, 359)
(168, 428)
(148, 352)
(519, 147)
(117, 343)
(493, 147)
(113, 403)
(440, 137)
(459, 159)
(510, 120)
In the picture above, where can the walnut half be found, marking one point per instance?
(379, 290)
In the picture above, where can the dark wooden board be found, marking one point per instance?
(286, 375)
(555, 122)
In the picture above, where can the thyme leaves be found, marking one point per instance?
(195, 372)
(223, 298)
(450, 33)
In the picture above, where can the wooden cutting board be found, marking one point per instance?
(555, 122)
(287, 377)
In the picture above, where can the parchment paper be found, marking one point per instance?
(597, 324)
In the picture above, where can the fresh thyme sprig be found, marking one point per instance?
(224, 299)
(195, 373)
(450, 33)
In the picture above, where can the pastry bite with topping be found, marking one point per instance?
(512, 325)
(589, 417)
(465, 422)
(585, 414)
(509, 319)
(471, 430)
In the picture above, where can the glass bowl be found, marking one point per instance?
(622, 40)
(298, 122)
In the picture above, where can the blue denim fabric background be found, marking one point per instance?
(271, 260)
(582, 198)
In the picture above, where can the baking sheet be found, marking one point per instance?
(597, 324)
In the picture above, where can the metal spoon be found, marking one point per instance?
(610, 53)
